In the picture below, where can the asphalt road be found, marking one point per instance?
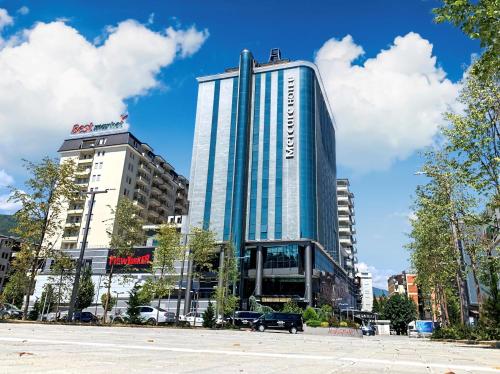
(34, 348)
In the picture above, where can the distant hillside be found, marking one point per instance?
(377, 292)
(6, 223)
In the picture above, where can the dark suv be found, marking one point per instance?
(243, 319)
(279, 321)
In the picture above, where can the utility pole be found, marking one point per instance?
(78, 270)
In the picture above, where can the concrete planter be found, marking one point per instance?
(334, 331)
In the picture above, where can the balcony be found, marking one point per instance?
(143, 179)
(82, 172)
(83, 161)
(70, 238)
(153, 202)
(139, 200)
(76, 211)
(71, 224)
(155, 188)
(143, 167)
(153, 213)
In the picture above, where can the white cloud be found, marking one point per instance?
(8, 207)
(5, 179)
(389, 106)
(379, 276)
(188, 41)
(23, 10)
(5, 19)
(52, 78)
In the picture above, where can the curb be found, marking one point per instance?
(489, 343)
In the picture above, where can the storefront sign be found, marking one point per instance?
(139, 261)
(290, 119)
(275, 299)
(91, 129)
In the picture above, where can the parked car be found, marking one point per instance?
(148, 314)
(243, 318)
(368, 329)
(10, 311)
(279, 321)
(192, 319)
(85, 317)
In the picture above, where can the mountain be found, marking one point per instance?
(6, 223)
(377, 292)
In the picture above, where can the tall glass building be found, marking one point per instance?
(263, 176)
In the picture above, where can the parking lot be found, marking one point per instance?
(37, 348)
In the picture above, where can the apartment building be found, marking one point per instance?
(347, 231)
(125, 166)
(404, 284)
(8, 247)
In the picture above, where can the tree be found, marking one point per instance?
(62, 274)
(400, 311)
(227, 302)
(292, 307)
(13, 292)
(39, 222)
(209, 316)
(376, 305)
(310, 313)
(133, 304)
(169, 250)
(478, 20)
(108, 302)
(203, 248)
(124, 232)
(47, 300)
(473, 136)
(85, 290)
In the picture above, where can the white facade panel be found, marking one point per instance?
(261, 153)
(221, 158)
(291, 207)
(201, 149)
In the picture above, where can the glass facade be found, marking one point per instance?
(281, 257)
(272, 148)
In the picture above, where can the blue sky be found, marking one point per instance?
(417, 71)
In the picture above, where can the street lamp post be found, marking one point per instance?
(76, 282)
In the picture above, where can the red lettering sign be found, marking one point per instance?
(139, 260)
(81, 129)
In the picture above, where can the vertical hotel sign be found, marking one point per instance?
(290, 118)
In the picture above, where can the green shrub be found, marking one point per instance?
(325, 313)
(459, 332)
(324, 324)
(209, 316)
(310, 313)
(292, 307)
(313, 323)
(342, 324)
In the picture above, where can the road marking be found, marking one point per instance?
(258, 354)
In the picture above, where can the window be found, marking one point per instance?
(100, 165)
(102, 141)
(125, 192)
(96, 165)
(93, 178)
(130, 167)
(98, 178)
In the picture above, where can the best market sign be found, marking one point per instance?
(91, 129)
